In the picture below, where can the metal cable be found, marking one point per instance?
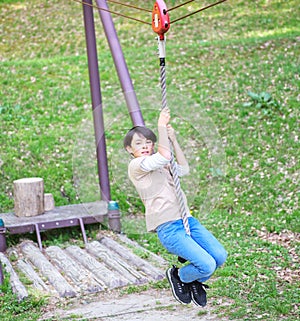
(138, 8)
(113, 12)
(180, 5)
(129, 5)
(202, 9)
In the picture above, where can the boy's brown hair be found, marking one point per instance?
(141, 131)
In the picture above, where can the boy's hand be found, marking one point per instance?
(171, 133)
(164, 117)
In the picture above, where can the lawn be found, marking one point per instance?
(233, 89)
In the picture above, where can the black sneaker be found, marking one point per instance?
(198, 293)
(180, 290)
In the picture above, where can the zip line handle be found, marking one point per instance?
(162, 50)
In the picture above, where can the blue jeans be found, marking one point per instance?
(201, 249)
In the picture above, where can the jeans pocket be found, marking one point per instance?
(163, 227)
(166, 231)
(162, 231)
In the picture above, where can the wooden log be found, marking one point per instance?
(114, 262)
(80, 276)
(17, 287)
(29, 196)
(132, 259)
(152, 257)
(47, 269)
(48, 202)
(101, 273)
(28, 270)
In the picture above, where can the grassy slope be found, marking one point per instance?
(213, 59)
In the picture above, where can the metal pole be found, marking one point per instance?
(3, 247)
(120, 64)
(96, 100)
(114, 217)
(1, 274)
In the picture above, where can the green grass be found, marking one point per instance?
(213, 60)
(11, 308)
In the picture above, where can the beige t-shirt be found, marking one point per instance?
(157, 191)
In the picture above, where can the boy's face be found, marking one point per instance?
(140, 146)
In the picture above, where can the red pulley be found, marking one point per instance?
(160, 18)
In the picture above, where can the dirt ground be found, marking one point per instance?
(150, 305)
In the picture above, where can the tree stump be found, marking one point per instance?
(29, 196)
(49, 203)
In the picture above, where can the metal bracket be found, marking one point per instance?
(58, 224)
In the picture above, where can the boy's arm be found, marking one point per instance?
(163, 140)
(180, 158)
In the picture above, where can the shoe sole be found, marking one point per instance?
(172, 287)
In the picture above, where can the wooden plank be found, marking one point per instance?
(85, 210)
(115, 263)
(17, 287)
(132, 259)
(37, 282)
(80, 276)
(101, 273)
(35, 256)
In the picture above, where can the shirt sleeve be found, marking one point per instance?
(154, 162)
(182, 170)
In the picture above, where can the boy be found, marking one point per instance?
(151, 176)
